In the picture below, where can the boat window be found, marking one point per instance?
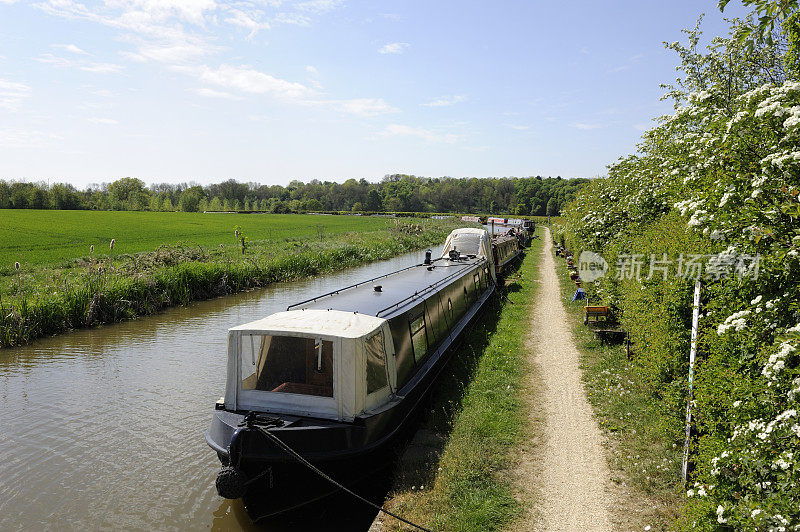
(476, 278)
(418, 337)
(450, 307)
(287, 364)
(376, 363)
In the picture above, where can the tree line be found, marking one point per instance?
(534, 196)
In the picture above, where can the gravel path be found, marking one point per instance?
(562, 472)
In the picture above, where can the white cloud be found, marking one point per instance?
(586, 127)
(50, 59)
(311, 70)
(394, 130)
(63, 62)
(102, 68)
(12, 93)
(364, 106)
(103, 121)
(393, 48)
(170, 53)
(211, 93)
(517, 127)
(247, 79)
(642, 126)
(248, 20)
(70, 48)
(634, 59)
(293, 18)
(446, 101)
(21, 138)
(319, 6)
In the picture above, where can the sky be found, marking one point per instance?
(274, 90)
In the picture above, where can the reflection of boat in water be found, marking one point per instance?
(338, 378)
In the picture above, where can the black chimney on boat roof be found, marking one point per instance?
(377, 288)
(428, 256)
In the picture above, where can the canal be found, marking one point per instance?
(103, 428)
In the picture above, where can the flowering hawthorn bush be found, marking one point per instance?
(722, 173)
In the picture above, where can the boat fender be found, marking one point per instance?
(231, 483)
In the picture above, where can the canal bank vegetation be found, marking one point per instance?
(712, 195)
(109, 286)
(458, 473)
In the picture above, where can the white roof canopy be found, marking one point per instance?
(317, 322)
(468, 241)
(348, 332)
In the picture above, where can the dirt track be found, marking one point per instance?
(563, 474)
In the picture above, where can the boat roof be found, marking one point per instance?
(399, 290)
(322, 322)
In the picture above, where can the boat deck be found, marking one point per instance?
(399, 290)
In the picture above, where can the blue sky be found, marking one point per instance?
(275, 90)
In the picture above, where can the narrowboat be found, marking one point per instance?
(505, 249)
(338, 378)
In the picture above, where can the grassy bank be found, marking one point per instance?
(46, 299)
(38, 237)
(479, 416)
(642, 461)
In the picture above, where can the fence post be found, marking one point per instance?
(692, 355)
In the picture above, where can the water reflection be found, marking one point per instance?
(103, 428)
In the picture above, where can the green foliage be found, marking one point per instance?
(770, 14)
(531, 196)
(720, 176)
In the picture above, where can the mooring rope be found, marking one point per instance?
(316, 470)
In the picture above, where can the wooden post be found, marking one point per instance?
(692, 355)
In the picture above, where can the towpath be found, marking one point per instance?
(562, 473)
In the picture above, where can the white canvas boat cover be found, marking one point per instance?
(357, 340)
(469, 241)
(316, 321)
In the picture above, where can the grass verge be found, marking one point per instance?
(47, 301)
(479, 415)
(643, 463)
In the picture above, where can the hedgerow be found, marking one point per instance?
(719, 178)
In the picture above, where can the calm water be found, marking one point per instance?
(103, 428)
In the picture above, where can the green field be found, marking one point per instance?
(39, 237)
(164, 259)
